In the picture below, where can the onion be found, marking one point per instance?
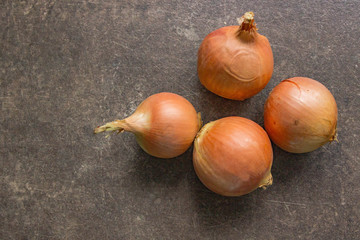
(235, 62)
(233, 156)
(300, 115)
(165, 125)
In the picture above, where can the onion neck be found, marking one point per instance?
(267, 181)
(200, 122)
(247, 28)
(334, 135)
(115, 126)
(334, 138)
(203, 129)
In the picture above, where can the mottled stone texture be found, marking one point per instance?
(67, 66)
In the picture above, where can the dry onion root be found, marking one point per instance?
(233, 156)
(235, 62)
(165, 125)
(300, 115)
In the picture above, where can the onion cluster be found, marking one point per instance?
(233, 156)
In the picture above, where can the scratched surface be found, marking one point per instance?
(67, 66)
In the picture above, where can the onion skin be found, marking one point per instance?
(233, 156)
(165, 125)
(300, 115)
(235, 62)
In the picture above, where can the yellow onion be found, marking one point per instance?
(165, 125)
(300, 115)
(233, 156)
(235, 62)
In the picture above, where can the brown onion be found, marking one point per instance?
(300, 115)
(233, 156)
(235, 62)
(165, 125)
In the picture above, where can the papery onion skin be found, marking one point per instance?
(165, 125)
(235, 62)
(233, 156)
(300, 115)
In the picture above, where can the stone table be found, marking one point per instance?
(68, 66)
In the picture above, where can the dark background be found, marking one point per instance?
(68, 66)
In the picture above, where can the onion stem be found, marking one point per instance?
(247, 28)
(115, 126)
